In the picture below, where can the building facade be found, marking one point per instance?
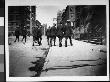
(59, 16)
(88, 21)
(20, 16)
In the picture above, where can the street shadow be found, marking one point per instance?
(38, 66)
(103, 51)
(32, 68)
(44, 48)
(100, 72)
(99, 59)
(36, 45)
(39, 63)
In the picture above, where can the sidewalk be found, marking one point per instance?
(81, 59)
(22, 56)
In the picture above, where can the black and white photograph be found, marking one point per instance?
(53, 38)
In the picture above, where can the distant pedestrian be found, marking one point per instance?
(34, 33)
(53, 32)
(17, 34)
(24, 34)
(60, 34)
(48, 35)
(39, 35)
(68, 33)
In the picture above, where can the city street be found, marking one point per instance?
(81, 59)
(57, 40)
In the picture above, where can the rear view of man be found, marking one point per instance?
(68, 33)
(34, 34)
(39, 35)
(53, 31)
(48, 35)
(24, 34)
(60, 34)
(17, 33)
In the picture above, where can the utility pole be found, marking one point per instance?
(30, 21)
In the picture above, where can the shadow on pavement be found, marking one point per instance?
(100, 72)
(39, 63)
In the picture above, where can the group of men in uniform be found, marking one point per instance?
(60, 32)
(37, 34)
(22, 32)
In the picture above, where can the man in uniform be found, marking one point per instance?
(53, 31)
(17, 33)
(60, 34)
(68, 33)
(34, 33)
(24, 33)
(39, 35)
(48, 35)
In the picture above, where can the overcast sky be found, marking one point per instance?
(45, 14)
(47, 9)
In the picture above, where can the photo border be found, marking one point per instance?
(59, 78)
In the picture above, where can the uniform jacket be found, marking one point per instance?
(60, 31)
(48, 32)
(34, 32)
(24, 32)
(53, 31)
(17, 32)
(39, 32)
(68, 31)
